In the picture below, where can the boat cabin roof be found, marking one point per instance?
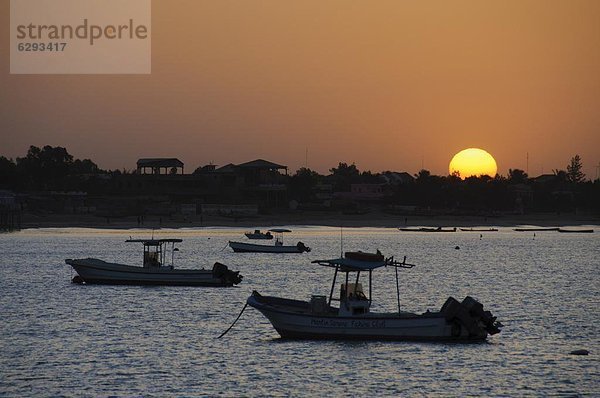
(154, 242)
(280, 230)
(353, 265)
(348, 264)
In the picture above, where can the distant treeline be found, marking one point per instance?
(47, 168)
(562, 191)
(54, 169)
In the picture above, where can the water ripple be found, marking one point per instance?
(60, 339)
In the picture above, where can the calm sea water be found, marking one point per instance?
(63, 339)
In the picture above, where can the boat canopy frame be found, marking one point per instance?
(156, 257)
(347, 266)
(279, 235)
(279, 230)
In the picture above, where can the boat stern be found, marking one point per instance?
(229, 277)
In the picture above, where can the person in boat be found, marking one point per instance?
(151, 259)
(359, 295)
(152, 262)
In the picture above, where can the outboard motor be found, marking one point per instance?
(222, 271)
(219, 270)
(470, 315)
(475, 309)
(302, 247)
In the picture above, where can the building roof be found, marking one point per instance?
(228, 168)
(543, 178)
(159, 162)
(261, 164)
(394, 177)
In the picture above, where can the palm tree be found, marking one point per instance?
(574, 172)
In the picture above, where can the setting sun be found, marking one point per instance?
(473, 162)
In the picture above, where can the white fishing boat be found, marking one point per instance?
(277, 247)
(353, 319)
(154, 270)
(257, 234)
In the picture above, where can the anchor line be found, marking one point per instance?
(234, 322)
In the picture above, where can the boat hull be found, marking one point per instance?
(301, 324)
(426, 230)
(535, 229)
(479, 229)
(94, 271)
(240, 247)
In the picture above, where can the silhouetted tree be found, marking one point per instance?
(344, 175)
(52, 168)
(473, 196)
(517, 176)
(366, 177)
(42, 167)
(423, 175)
(303, 182)
(85, 166)
(8, 173)
(574, 173)
(433, 191)
(498, 194)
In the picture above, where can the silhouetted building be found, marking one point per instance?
(362, 192)
(260, 172)
(156, 165)
(544, 179)
(397, 178)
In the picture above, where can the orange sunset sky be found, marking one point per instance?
(388, 85)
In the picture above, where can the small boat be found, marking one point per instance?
(535, 229)
(576, 231)
(278, 247)
(479, 229)
(428, 229)
(257, 234)
(154, 271)
(353, 319)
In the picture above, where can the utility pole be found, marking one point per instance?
(527, 167)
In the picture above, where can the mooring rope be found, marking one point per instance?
(236, 319)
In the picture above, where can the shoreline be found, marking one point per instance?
(374, 219)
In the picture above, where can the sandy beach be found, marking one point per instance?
(372, 219)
